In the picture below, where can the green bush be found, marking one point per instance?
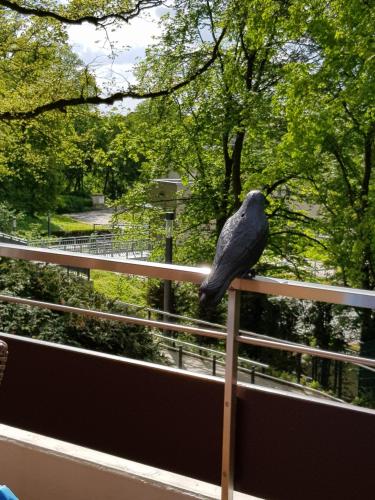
(67, 203)
(52, 284)
(7, 218)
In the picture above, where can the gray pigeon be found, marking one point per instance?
(239, 247)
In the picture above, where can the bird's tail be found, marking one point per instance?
(211, 292)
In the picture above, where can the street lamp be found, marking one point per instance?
(169, 218)
(49, 223)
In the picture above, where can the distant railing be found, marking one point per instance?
(312, 291)
(9, 238)
(217, 360)
(122, 227)
(107, 244)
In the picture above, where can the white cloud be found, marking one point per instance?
(111, 55)
(128, 42)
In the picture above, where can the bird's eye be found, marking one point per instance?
(242, 214)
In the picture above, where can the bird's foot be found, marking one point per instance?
(248, 275)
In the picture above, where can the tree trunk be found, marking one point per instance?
(228, 164)
(236, 168)
(366, 380)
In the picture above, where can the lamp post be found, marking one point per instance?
(49, 223)
(169, 218)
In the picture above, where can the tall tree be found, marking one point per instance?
(330, 110)
(35, 63)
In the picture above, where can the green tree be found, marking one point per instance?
(222, 133)
(329, 108)
(35, 64)
(53, 17)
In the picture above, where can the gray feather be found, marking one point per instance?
(239, 247)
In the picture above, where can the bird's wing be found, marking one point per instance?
(238, 242)
(225, 237)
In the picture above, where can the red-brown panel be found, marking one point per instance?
(288, 447)
(291, 448)
(140, 412)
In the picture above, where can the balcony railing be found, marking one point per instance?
(233, 392)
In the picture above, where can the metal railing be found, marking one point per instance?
(312, 291)
(107, 244)
(216, 360)
(10, 238)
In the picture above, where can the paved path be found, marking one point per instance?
(203, 366)
(102, 216)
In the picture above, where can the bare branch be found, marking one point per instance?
(292, 215)
(125, 16)
(270, 188)
(299, 233)
(368, 164)
(61, 104)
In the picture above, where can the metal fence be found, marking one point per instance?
(312, 291)
(9, 238)
(106, 245)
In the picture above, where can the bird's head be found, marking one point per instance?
(254, 199)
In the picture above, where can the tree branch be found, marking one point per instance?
(61, 104)
(334, 149)
(368, 163)
(270, 188)
(299, 233)
(291, 215)
(125, 16)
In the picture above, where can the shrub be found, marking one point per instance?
(52, 284)
(67, 203)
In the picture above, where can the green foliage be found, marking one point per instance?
(67, 203)
(287, 107)
(119, 287)
(45, 158)
(37, 226)
(51, 284)
(36, 66)
(8, 218)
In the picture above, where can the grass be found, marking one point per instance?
(65, 223)
(117, 286)
(34, 226)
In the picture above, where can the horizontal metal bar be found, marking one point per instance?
(311, 291)
(213, 351)
(272, 286)
(87, 261)
(115, 317)
(282, 346)
(207, 323)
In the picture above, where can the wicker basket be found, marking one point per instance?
(3, 358)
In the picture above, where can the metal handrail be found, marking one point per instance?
(162, 325)
(11, 237)
(252, 371)
(115, 317)
(207, 349)
(272, 286)
(203, 322)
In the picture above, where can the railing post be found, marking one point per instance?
(229, 420)
(252, 379)
(180, 356)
